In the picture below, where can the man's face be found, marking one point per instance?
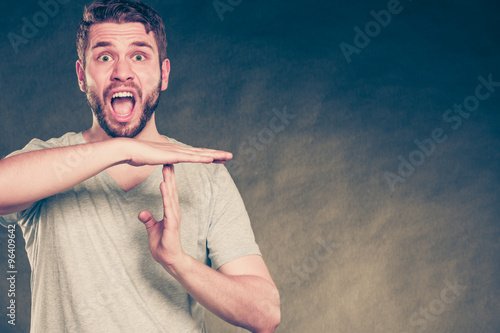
(122, 77)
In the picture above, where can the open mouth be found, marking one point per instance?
(123, 103)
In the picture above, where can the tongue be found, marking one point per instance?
(123, 106)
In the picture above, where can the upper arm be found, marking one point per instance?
(247, 265)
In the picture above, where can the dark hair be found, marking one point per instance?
(121, 11)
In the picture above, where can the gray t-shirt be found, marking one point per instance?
(92, 270)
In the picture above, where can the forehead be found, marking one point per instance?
(120, 34)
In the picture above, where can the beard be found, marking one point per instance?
(128, 130)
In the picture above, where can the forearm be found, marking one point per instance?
(241, 292)
(243, 300)
(35, 175)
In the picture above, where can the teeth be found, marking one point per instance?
(123, 94)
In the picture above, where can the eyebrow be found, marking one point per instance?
(101, 44)
(136, 43)
(142, 44)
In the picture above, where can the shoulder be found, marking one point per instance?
(68, 139)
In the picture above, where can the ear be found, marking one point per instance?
(165, 72)
(80, 73)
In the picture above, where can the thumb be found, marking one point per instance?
(147, 218)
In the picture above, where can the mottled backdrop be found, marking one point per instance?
(365, 137)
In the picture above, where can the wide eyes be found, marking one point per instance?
(106, 57)
(139, 57)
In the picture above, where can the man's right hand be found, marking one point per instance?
(32, 176)
(139, 152)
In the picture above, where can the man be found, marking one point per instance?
(76, 198)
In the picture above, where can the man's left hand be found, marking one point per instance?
(165, 235)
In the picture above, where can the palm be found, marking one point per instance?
(164, 235)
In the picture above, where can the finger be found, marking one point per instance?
(191, 158)
(198, 158)
(170, 197)
(199, 150)
(219, 155)
(165, 171)
(170, 214)
(203, 154)
(215, 154)
(147, 218)
(170, 172)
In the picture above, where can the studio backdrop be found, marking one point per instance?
(365, 137)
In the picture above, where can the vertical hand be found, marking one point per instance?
(164, 235)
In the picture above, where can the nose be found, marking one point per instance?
(122, 71)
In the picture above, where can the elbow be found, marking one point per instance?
(271, 324)
(274, 313)
(271, 315)
(274, 321)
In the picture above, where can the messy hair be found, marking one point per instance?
(120, 11)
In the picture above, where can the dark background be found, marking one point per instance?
(322, 177)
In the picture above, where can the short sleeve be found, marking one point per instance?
(35, 144)
(230, 234)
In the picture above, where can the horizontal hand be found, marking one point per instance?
(139, 152)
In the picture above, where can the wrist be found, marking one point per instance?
(181, 268)
(120, 147)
